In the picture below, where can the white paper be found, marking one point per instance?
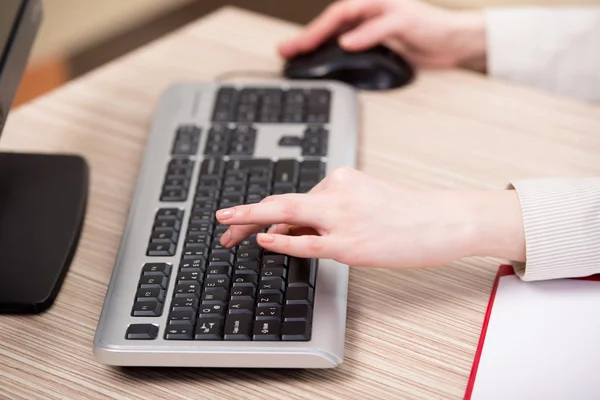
(542, 342)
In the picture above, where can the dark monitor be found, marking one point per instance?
(42, 196)
(19, 24)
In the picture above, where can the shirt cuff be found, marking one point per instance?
(554, 49)
(561, 219)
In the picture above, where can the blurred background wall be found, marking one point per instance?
(80, 35)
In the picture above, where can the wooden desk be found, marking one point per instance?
(411, 334)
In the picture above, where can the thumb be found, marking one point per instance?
(367, 35)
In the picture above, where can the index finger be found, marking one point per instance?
(288, 209)
(324, 26)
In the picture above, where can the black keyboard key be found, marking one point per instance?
(192, 262)
(295, 96)
(270, 299)
(218, 271)
(215, 298)
(149, 294)
(153, 282)
(164, 236)
(243, 293)
(156, 269)
(182, 148)
(161, 249)
(296, 330)
(261, 176)
(167, 225)
(184, 303)
(249, 96)
(141, 332)
(182, 316)
(254, 198)
(195, 250)
(169, 213)
(231, 201)
(211, 310)
(198, 237)
(147, 308)
(267, 330)
(190, 274)
(241, 307)
(310, 176)
(217, 259)
(238, 327)
(266, 312)
(212, 167)
(179, 330)
(268, 273)
(234, 189)
(297, 312)
(209, 329)
(276, 285)
(218, 248)
(286, 173)
(248, 254)
(249, 242)
(180, 163)
(242, 280)
(292, 117)
(299, 295)
(200, 227)
(255, 165)
(247, 267)
(192, 289)
(216, 283)
(275, 259)
(203, 216)
(241, 149)
(301, 272)
(317, 116)
(173, 195)
(313, 165)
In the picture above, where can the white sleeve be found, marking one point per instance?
(561, 218)
(552, 48)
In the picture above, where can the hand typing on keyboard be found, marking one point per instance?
(358, 220)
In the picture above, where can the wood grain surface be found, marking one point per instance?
(411, 334)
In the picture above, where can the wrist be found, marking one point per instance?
(497, 225)
(470, 43)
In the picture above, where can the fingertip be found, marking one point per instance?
(266, 238)
(226, 238)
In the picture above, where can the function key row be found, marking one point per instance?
(152, 286)
(272, 105)
(165, 232)
(177, 180)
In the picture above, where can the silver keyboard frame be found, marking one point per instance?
(192, 102)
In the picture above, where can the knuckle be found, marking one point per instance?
(342, 174)
(289, 209)
(314, 244)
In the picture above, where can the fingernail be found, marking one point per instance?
(225, 214)
(226, 237)
(266, 237)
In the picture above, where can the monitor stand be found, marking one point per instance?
(42, 207)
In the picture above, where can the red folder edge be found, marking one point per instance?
(503, 270)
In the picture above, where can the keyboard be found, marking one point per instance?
(176, 296)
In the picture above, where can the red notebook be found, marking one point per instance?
(538, 340)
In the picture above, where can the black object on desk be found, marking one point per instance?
(42, 197)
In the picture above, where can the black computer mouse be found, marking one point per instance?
(377, 68)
